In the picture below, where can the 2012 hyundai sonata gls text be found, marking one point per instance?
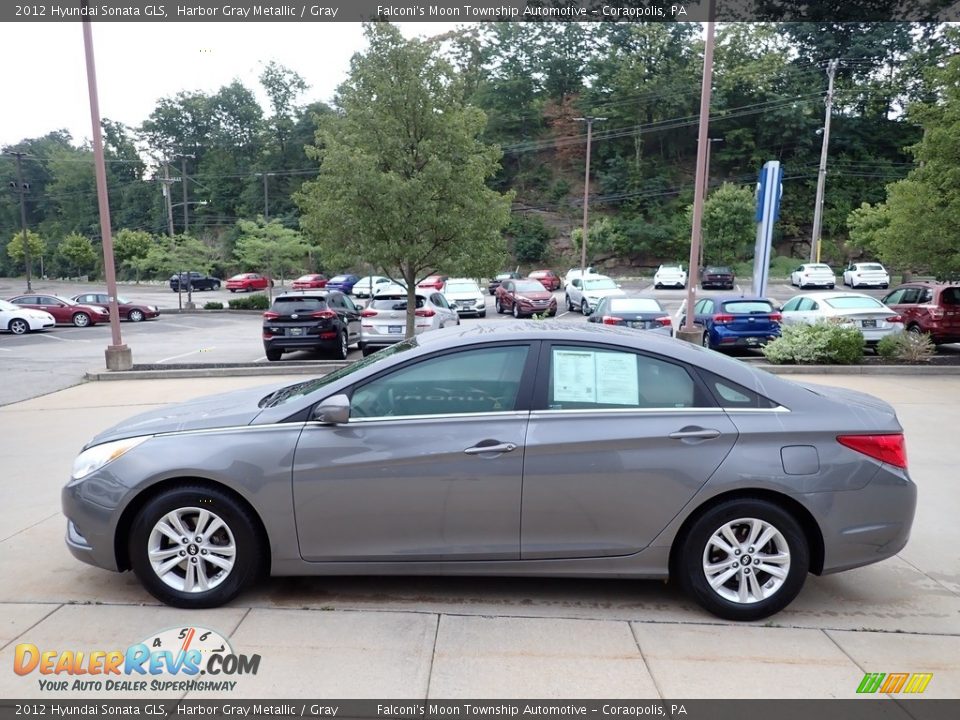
(529, 448)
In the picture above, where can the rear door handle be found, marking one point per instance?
(498, 448)
(699, 433)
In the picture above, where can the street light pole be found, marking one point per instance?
(822, 173)
(589, 120)
(706, 190)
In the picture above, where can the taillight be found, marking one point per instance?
(664, 321)
(723, 319)
(323, 314)
(425, 312)
(270, 315)
(894, 319)
(776, 317)
(889, 449)
(611, 320)
(368, 313)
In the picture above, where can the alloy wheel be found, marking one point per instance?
(18, 326)
(746, 560)
(135, 316)
(81, 319)
(191, 550)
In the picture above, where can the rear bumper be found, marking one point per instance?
(305, 342)
(724, 338)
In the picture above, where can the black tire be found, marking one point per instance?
(884, 286)
(657, 286)
(274, 355)
(81, 319)
(585, 308)
(831, 286)
(216, 286)
(516, 310)
(482, 313)
(233, 290)
(238, 523)
(498, 306)
(135, 315)
(570, 306)
(692, 553)
(915, 329)
(18, 326)
(705, 340)
(340, 351)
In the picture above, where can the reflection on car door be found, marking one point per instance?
(618, 443)
(429, 467)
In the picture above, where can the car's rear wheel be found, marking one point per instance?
(81, 319)
(340, 351)
(915, 329)
(18, 326)
(498, 306)
(743, 559)
(274, 355)
(570, 306)
(194, 547)
(705, 340)
(135, 315)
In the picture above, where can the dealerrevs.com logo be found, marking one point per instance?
(178, 659)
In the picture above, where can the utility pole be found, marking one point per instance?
(183, 181)
(706, 190)
(822, 174)
(689, 331)
(22, 189)
(589, 120)
(266, 202)
(166, 194)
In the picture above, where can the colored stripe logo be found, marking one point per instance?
(892, 683)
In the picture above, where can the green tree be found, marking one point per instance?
(270, 247)
(15, 248)
(402, 180)
(530, 238)
(865, 225)
(130, 246)
(76, 252)
(728, 224)
(180, 253)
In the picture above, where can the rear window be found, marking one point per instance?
(746, 307)
(394, 302)
(854, 303)
(718, 270)
(292, 304)
(871, 266)
(819, 267)
(636, 305)
(340, 278)
(950, 296)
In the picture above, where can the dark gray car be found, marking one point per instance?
(522, 448)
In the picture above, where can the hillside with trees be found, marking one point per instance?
(243, 170)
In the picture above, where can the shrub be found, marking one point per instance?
(907, 346)
(822, 343)
(213, 305)
(251, 302)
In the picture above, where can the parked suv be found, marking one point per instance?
(324, 320)
(193, 280)
(928, 307)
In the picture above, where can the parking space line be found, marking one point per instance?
(174, 357)
(54, 337)
(181, 325)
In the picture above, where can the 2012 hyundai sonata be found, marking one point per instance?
(528, 448)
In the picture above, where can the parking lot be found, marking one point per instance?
(56, 359)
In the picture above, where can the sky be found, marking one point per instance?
(44, 84)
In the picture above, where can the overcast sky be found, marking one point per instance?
(44, 83)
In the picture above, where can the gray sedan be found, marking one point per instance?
(509, 448)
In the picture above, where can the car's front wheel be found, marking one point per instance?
(585, 308)
(498, 306)
(743, 559)
(81, 319)
(18, 326)
(195, 547)
(135, 315)
(516, 310)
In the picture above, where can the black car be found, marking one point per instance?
(193, 281)
(324, 320)
(495, 283)
(716, 276)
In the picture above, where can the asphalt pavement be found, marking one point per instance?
(485, 637)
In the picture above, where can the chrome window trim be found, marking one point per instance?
(627, 411)
(381, 418)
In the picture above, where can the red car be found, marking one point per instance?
(434, 282)
(548, 278)
(129, 310)
(927, 307)
(310, 282)
(524, 298)
(64, 311)
(248, 282)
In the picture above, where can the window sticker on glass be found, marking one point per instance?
(617, 379)
(574, 374)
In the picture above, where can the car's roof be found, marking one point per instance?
(315, 293)
(741, 298)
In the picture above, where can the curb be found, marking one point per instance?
(915, 370)
(211, 371)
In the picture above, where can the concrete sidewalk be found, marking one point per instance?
(486, 638)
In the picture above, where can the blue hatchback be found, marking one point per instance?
(736, 321)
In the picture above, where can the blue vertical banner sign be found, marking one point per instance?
(769, 190)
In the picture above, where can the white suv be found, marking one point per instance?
(584, 295)
(574, 273)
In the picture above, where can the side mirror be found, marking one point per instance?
(333, 411)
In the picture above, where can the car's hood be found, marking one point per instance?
(239, 407)
(463, 295)
(536, 295)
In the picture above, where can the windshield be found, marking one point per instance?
(634, 305)
(604, 284)
(529, 286)
(872, 266)
(855, 303)
(462, 288)
(301, 389)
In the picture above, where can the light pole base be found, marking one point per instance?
(119, 357)
(694, 336)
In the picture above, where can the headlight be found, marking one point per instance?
(98, 456)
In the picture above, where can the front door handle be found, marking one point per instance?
(496, 448)
(695, 434)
